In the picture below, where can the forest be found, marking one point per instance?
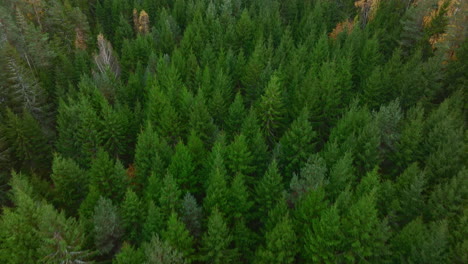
(233, 131)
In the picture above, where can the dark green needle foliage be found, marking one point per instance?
(234, 131)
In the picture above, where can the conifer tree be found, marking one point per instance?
(192, 215)
(107, 176)
(147, 158)
(182, 168)
(153, 224)
(216, 189)
(70, 184)
(236, 115)
(239, 201)
(131, 216)
(107, 226)
(280, 245)
(268, 191)
(297, 144)
(160, 252)
(170, 196)
(216, 241)
(271, 110)
(238, 156)
(323, 238)
(178, 237)
(129, 255)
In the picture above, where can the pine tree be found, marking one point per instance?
(256, 142)
(23, 143)
(236, 115)
(129, 255)
(238, 156)
(216, 241)
(192, 215)
(271, 109)
(281, 244)
(107, 226)
(216, 190)
(268, 191)
(410, 187)
(147, 158)
(178, 237)
(107, 176)
(182, 168)
(70, 182)
(201, 121)
(297, 144)
(160, 252)
(365, 233)
(239, 201)
(131, 216)
(323, 238)
(154, 222)
(341, 175)
(170, 196)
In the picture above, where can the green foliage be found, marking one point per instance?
(329, 131)
(216, 241)
(131, 214)
(70, 184)
(271, 109)
(297, 144)
(281, 244)
(107, 226)
(268, 191)
(160, 252)
(178, 237)
(192, 215)
(170, 196)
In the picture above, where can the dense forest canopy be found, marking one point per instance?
(233, 131)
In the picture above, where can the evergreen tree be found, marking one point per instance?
(153, 223)
(216, 190)
(170, 196)
(297, 144)
(271, 109)
(238, 156)
(182, 168)
(129, 255)
(280, 245)
(236, 115)
(239, 201)
(147, 158)
(160, 252)
(216, 241)
(323, 238)
(192, 215)
(178, 237)
(107, 226)
(108, 177)
(131, 216)
(70, 184)
(268, 191)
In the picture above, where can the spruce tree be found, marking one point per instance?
(70, 184)
(131, 216)
(271, 110)
(153, 223)
(178, 237)
(297, 144)
(268, 191)
(182, 168)
(170, 196)
(280, 245)
(216, 241)
(192, 215)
